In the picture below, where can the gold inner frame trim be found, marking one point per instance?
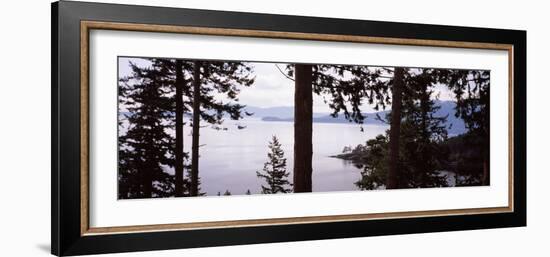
(86, 26)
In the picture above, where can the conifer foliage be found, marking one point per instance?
(274, 172)
(146, 147)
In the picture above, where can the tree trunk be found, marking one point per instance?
(196, 126)
(425, 136)
(179, 129)
(485, 180)
(395, 128)
(147, 178)
(303, 113)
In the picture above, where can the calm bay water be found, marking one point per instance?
(230, 158)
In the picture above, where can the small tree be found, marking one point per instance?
(274, 171)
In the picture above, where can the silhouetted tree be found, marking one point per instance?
(201, 86)
(344, 88)
(211, 77)
(395, 128)
(471, 88)
(373, 160)
(145, 148)
(274, 171)
(422, 133)
(419, 156)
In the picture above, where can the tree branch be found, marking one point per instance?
(282, 72)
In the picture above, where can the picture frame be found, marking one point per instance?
(72, 23)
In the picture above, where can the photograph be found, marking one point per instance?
(197, 127)
(174, 127)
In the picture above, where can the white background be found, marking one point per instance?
(25, 129)
(106, 211)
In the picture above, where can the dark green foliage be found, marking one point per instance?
(274, 171)
(472, 94)
(421, 133)
(217, 77)
(421, 156)
(345, 88)
(373, 159)
(465, 160)
(145, 150)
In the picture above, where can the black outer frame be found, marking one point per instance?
(65, 209)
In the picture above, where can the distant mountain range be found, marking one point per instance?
(455, 126)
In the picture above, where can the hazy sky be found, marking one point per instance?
(271, 88)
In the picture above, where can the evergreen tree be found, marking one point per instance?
(398, 84)
(420, 154)
(274, 171)
(422, 133)
(198, 85)
(248, 192)
(227, 192)
(471, 88)
(210, 77)
(374, 162)
(344, 88)
(145, 148)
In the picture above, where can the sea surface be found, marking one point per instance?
(230, 158)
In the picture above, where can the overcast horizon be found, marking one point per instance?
(272, 89)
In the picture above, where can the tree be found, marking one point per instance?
(374, 163)
(227, 192)
(417, 152)
(145, 148)
(422, 133)
(211, 77)
(471, 88)
(303, 118)
(344, 88)
(179, 165)
(274, 171)
(395, 127)
(197, 85)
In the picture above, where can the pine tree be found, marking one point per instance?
(374, 163)
(471, 88)
(211, 77)
(145, 148)
(344, 88)
(274, 171)
(394, 166)
(422, 133)
(201, 86)
(416, 156)
(227, 192)
(248, 192)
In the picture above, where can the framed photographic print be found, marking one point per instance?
(177, 128)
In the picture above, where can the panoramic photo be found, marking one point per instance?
(218, 128)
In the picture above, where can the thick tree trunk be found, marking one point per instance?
(395, 128)
(303, 113)
(196, 126)
(179, 129)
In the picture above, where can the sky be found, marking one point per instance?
(272, 89)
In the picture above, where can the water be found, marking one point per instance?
(229, 159)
